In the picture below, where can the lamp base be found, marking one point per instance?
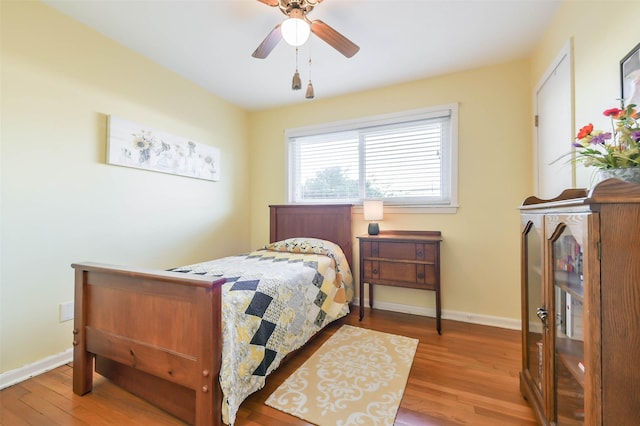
(374, 229)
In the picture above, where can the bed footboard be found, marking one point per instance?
(155, 333)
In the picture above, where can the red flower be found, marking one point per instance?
(585, 131)
(613, 112)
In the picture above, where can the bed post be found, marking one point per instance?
(82, 360)
(209, 394)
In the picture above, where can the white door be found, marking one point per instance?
(554, 130)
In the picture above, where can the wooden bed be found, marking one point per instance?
(158, 333)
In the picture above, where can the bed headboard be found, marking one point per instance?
(330, 222)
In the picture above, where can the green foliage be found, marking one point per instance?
(334, 183)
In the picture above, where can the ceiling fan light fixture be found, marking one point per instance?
(295, 31)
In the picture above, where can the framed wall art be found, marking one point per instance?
(630, 77)
(133, 145)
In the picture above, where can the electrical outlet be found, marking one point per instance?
(66, 311)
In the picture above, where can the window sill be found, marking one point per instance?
(416, 209)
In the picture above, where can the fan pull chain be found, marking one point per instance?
(296, 83)
(309, 94)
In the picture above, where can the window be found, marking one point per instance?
(406, 159)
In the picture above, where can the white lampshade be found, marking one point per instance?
(295, 31)
(373, 209)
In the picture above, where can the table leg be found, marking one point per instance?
(361, 299)
(438, 313)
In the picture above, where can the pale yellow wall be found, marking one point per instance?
(602, 33)
(61, 203)
(480, 252)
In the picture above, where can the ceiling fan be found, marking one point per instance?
(296, 11)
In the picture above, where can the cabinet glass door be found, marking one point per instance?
(535, 309)
(568, 287)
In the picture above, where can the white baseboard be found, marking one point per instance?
(469, 317)
(18, 375)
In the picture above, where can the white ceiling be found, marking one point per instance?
(210, 41)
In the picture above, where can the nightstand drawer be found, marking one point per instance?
(399, 250)
(402, 274)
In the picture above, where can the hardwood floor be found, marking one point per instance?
(466, 376)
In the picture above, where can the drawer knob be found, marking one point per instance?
(375, 271)
(420, 253)
(421, 275)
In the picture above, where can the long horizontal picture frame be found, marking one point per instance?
(134, 145)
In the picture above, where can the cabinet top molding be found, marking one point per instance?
(607, 191)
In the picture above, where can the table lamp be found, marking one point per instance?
(373, 211)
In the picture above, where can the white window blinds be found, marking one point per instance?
(404, 160)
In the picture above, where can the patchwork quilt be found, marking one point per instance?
(274, 300)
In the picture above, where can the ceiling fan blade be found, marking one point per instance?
(334, 38)
(267, 45)
(270, 2)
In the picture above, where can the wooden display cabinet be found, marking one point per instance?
(581, 305)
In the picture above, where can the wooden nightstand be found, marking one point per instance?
(401, 259)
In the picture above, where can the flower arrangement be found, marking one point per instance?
(619, 148)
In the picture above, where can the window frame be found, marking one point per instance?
(449, 164)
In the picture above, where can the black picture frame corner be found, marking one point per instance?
(630, 77)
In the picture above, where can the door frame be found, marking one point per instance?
(565, 52)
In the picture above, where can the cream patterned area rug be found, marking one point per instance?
(357, 377)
